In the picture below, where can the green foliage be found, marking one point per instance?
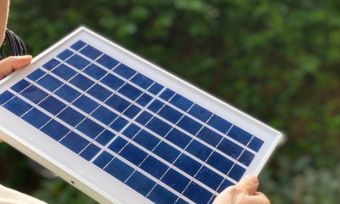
(277, 60)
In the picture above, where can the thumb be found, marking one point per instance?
(10, 64)
(249, 183)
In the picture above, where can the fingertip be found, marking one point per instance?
(249, 183)
(21, 61)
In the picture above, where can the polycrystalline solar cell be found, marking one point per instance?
(159, 142)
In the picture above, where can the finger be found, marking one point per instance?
(258, 198)
(249, 183)
(10, 64)
(21, 61)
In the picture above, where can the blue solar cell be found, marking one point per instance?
(103, 159)
(124, 71)
(36, 74)
(170, 114)
(255, 144)
(158, 126)
(155, 88)
(246, 158)
(240, 135)
(51, 64)
(5, 96)
(21, 85)
(132, 111)
(107, 61)
(119, 169)
(104, 115)
(143, 118)
(200, 113)
(166, 152)
(133, 154)
(219, 123)
(220, 163)
(50, 83)
(140, 183)
(64, 72)
(154, 167)
(146, 140)
(65, 54)
(167, 94)
(89, 152)
(189, 125)
(175, 180)
(52, 105)
(85, 104)
(117, 145)
(230, 148)
(225, 184)
(199, 150)
(162, 195)
(105, 137)
(99, 92)
(90, 52)
(209, 136)
(236, 172)
(142, 81)
(70, 116)
(131, 131)
(95, 72)
(187, 164)
(178, 138)
(155, 106)
(67, 93)
(74, 142)
(78, 45)
(36, 118)
(90, 128)
(197, 194)
(119, 124)
(144, 99)
(112, 81)
(17, 106)
(181, 201)
(181, 102)
(34, 94)
(130, 91)
(209, 178)
(55, 130)
(81, 82)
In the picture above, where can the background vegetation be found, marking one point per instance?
(277, 60)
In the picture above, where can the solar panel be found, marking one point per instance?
(125, 131)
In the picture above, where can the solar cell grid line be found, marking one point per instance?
(160, 140)
(159, 158)
(80, 152)
(143, 172)
(129, 123)
(224, 176)
(51, 116)
(131, 128)
(85, 56)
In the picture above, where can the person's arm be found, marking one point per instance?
(245, 192)
(4, 5)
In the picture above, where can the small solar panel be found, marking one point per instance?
(125, 131)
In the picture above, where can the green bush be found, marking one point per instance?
(277, 60)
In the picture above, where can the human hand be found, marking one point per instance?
(245, 192)
(10, 64)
